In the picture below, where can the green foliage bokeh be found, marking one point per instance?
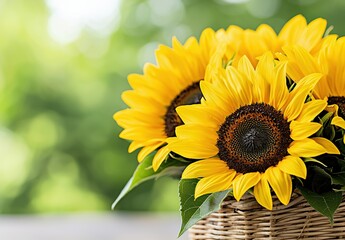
(59, 149)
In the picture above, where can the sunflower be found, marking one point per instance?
(331, 63)
(151, 117)
(252, 43)
(250, 131)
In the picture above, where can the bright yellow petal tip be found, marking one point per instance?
(262, 193)
(281, 183)
(244, 182)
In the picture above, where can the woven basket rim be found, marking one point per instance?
(246, 219)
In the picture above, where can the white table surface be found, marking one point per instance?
(91, 226)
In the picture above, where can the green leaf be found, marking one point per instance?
(325, 203)
(318, 180)
(192, 210)
(341, 145)
(338, 178)
(341, 163)
(144, 172)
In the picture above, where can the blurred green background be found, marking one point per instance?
(63, 66)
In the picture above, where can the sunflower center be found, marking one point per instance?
(253, 138)
(340, 101)
(190, 95)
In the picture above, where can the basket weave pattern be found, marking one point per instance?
(246, 219)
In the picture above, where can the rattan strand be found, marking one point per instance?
(247, 220)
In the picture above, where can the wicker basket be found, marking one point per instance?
(246, 219)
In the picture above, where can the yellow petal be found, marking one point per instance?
(198, 113)
(134, 118)
(314, 33)
(334, 108)
(307, 63)
(136, 80)
(338, 121)
(138, 144)
(242, 183)
(245, 67)
(269, 35)
(207, 41)
(205, 168)
(214, 183)
(141, 134)
(294, 67)
(176, 44)
(134, 146)
(147, 150)
(293, 29)
(262, 193)
(299, 94)
(255, 45)
(327, 145)
(281, 184)
(160, 156)
(240, 85)
(135, 100)
(191, 43)
(195, 149)
(301, 131)
(279, 91)
(265, 69)
(306, 148)
(207, 134)
(209, 92)
(265, 66)
(311, 109)
(294, 166)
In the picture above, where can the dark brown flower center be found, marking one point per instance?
(253, 138)
(340, 101)
(190, 95)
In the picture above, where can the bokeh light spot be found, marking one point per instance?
(14, 163)
(263, 8)
(69, 18)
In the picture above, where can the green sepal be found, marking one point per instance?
(325, 203)
(342, 189)
(192, 210)
(338, 173)
(313, 160)
(327, 130)
(145, 172)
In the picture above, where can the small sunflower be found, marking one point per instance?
(250, 131)
(252, 43)
(330, 62)
(151, 117)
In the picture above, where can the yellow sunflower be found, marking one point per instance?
(252, 43)
(330, 62)
(250, 131)
(151, 117)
